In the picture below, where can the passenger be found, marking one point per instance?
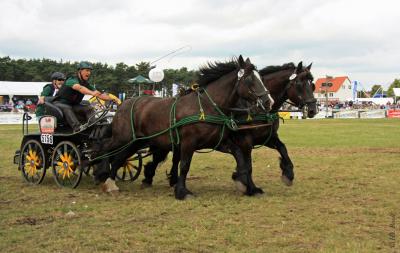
(70, 96)
(49, 90)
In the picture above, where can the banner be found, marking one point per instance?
(393, 113)
(374, 114)
(346, 115)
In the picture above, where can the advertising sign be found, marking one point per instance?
(393, 113)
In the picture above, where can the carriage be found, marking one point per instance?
(238, 87)
(65, 152)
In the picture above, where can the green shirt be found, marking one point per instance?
(70, 96)
(46, 92)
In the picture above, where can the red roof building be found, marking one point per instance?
(338, 89)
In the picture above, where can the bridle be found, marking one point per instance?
(257, 96)
(298, 87)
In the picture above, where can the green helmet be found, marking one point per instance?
(84, 65)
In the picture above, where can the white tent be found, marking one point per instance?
(21, 88)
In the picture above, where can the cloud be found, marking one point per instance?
(355, 38)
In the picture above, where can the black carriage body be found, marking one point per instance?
(78, 144)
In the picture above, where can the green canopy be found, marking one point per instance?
(140, 79)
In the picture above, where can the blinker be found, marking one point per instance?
(240, 73)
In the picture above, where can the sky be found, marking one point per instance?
(355, 38)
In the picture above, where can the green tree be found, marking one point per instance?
(143, 68)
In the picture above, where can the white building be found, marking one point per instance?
(338, 89)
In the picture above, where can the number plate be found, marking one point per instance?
(46, 138)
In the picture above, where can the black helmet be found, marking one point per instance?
(57, 75)
(84, 65)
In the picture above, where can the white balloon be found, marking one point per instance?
(156, 75)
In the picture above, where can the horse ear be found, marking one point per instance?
(299, 67)
(241, 62)
(248, 60)
(309, 67)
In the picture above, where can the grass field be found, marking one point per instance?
(346, 198)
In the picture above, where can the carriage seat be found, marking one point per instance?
(53, 110)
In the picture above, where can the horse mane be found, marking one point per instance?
(215, 70)
(272, 69)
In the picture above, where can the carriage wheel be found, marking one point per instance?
(131, 169)
(66, 163)
(33, 162)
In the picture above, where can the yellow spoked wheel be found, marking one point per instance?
(33, 162)
(131, 169)
(66, 163)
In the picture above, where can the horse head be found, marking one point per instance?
(301, 88)
(291, 82)
(250, 86)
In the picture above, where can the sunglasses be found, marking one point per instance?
(60, 79)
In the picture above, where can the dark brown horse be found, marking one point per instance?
(286, 82)
(221, 85)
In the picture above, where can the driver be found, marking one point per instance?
(70, 96)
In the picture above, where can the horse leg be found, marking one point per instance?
(173, 174)
(118, 161)
(285, 162)
(101, 171)
(181, 192)
(243, 175)
(150, 167)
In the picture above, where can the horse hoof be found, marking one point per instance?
(254, 192)
(105, 189)
(286, 180)
(258, 191)
(189, 196)
(183, 194)
(180, 197)
(109, 186)
(145, 185)
(240, 187)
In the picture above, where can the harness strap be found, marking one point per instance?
(133, 118)
(172, 123)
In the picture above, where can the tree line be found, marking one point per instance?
(106, 77)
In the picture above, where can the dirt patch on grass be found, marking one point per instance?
(34, 221)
